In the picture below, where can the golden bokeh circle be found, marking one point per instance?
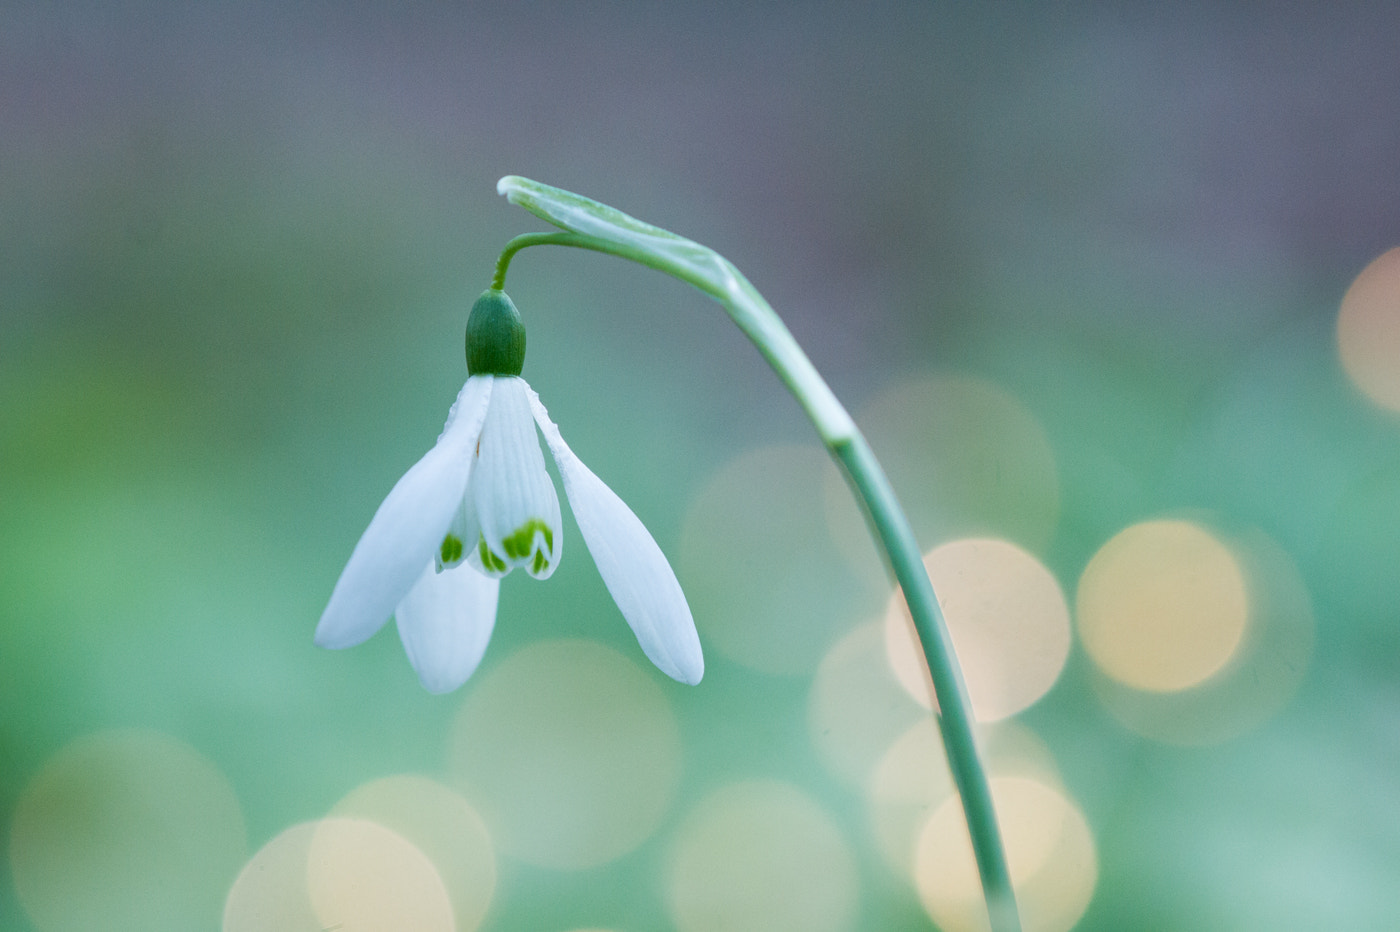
(761, 854)
(352, 875)
(270, 892)
(1008, 621)
(966, 458)
(1262, 674)
(912, 779)
(1368, 330)
(363, 877)
(762, 569)
(1050, 854)
(569, 751)
(856, 707)
(127, 829)
(442, 825)
(1162, 606)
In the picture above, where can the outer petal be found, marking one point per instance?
(515, 499)
(630, 562)
(445, 622)
(407, 529)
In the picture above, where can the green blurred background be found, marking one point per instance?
(1076, 270)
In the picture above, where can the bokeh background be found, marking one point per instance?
(1079, 273)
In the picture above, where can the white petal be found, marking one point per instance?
(631, 564)
(515, 499)
(445, 622)
(407, 528)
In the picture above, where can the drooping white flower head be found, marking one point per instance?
(480, 504)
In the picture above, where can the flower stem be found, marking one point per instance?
(954, 720)
(590, 225)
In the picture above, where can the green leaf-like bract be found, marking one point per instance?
(699, 264)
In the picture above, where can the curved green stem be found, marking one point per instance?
(498, 280)
(955, 720)
(590, 225)
(746, 307)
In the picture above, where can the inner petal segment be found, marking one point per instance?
(515, 501)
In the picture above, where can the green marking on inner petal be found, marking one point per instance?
(520, 543)
(451, 549)
(540, 563)
(489, 560)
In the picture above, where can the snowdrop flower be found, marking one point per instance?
(480, 504)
